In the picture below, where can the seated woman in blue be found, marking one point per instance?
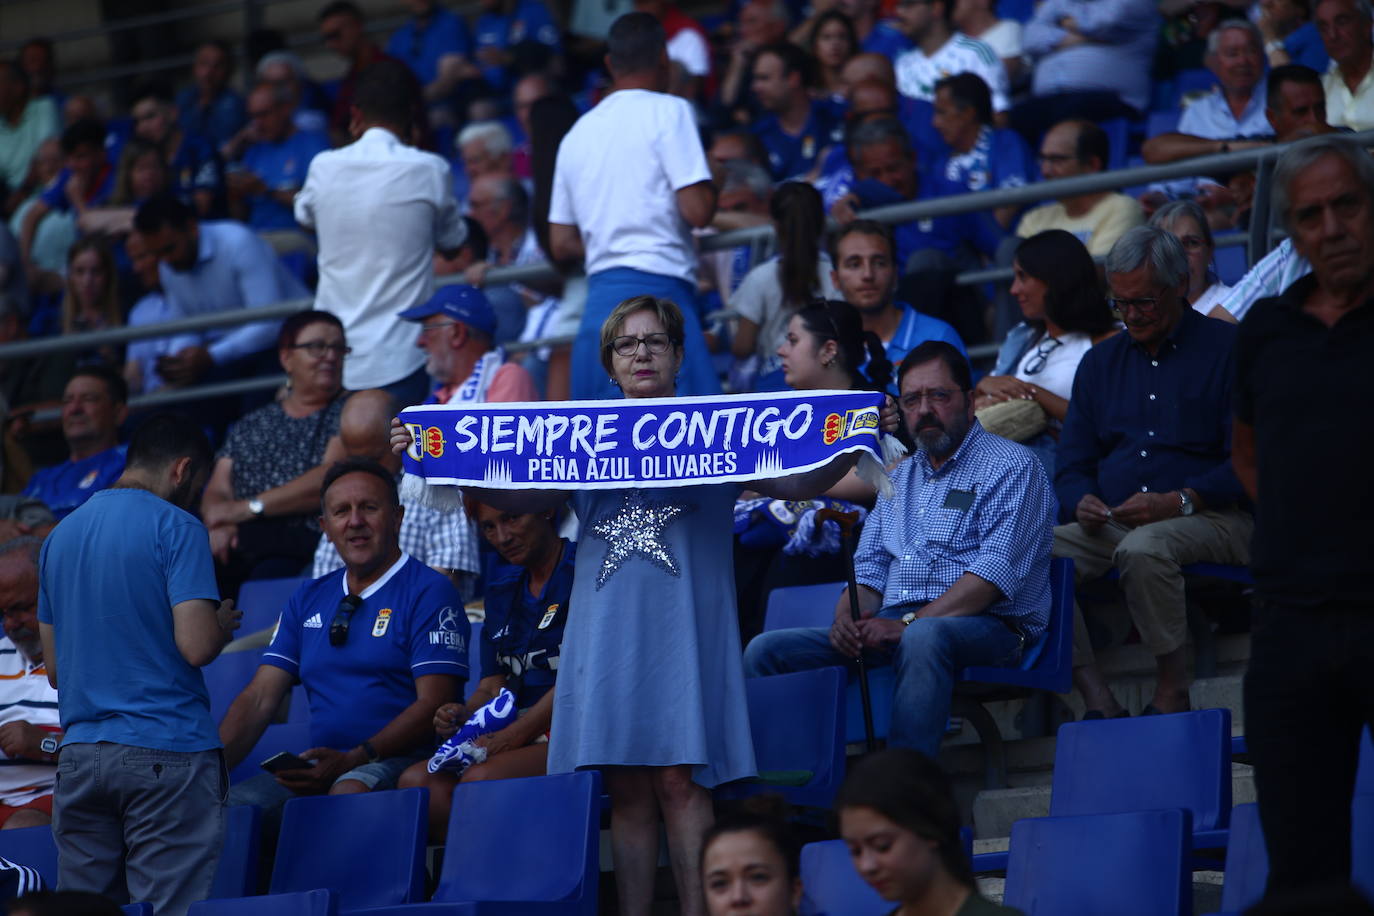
(527, 607)
(1055, 282)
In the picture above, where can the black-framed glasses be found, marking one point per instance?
(318, 348)
(627, 346)
(938, 397)
(1146, 305)
(343, 616)
(1041, 356)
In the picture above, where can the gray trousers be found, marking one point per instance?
(137, 824)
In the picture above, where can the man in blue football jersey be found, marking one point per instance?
(379, 646)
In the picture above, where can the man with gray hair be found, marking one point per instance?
(485, 147)
(1303, 375)
(1144, 472)
(501, 206)
(1349, 81)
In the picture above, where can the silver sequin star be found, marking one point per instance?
(634, 530)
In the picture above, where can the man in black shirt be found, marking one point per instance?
(1301, 448)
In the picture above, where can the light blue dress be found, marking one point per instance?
(651, 672)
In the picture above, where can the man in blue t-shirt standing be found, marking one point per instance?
(128, 613)
(93, 407)
(379, 646)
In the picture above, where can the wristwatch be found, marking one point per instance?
(256, 507)
(48, 745)
(1186, 506)
(908, 618)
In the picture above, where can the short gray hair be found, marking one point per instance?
(1227, 25)
(1302, 155)
(493, 136)
(1169, 214)
(289, 58)
(1163, 252)
(879, 130)
(741, 173)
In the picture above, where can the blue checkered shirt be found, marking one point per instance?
(988, 510)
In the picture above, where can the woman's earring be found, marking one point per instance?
(615, 382)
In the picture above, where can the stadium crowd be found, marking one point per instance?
(1126, 423)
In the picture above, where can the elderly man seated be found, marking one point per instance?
(952, 569)
(1144, 467)
(379, 646)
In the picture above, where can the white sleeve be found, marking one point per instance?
(304, 204)
(999, 84)
(678, 145)
(749, 298)
(450, 231)
(688, 49)
(561, 208)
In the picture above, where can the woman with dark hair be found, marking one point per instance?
(826, 347)
(262, 502)
(772, 291)
(1055, 282)
(833, 43)
(897, 816)
(751, 863)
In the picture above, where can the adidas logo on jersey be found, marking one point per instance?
(315, 623)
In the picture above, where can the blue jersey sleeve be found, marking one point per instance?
(190, 569)
(491, 666)
(284, 651)
(440, 631)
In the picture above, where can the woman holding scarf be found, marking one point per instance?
(651, 685)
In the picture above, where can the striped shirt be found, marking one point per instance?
(917, 74)
(1275, 272)
(988, 510)
(25, 696)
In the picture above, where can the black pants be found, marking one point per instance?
(1309, 691)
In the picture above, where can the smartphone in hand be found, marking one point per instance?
(286, 760)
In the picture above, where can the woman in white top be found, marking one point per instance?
(772, 292)
(1055, 283)
(1186, 220)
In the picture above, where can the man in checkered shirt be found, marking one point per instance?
(953, 568)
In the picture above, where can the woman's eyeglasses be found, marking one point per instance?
(628, 346)
(318, 348)
(1042, 354)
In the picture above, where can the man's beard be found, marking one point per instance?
(938, 440)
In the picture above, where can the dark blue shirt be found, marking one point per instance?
(523, 633)
(791, 155)
(887, 39)
(421, 49)
(1304, 46)
(531, 22)
(282, 167)
(216, 122)
(196, 166)
(1151, 424)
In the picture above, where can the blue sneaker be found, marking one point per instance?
(459, 752)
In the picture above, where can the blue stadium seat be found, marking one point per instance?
(1161, 122)
(226, 676)
(290, 736)
(236, 875)
(137, 909)
(1247, 862)
(802, 606)
(1118, 131)
(367, 848)
(1364, 776)
(1362, 843)
(1133, 864)
(1150, 762)
(306, 903)
(543, 859)
(34, 847)
(1020, 10)
(262, 601)
(1197, 80)
(797, 722)
(832, 887)
(1231, 264)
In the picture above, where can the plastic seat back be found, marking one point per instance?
(318, 902)
(226, 676)
(1231, 264)
(548, 850)
(1247, 861)
(1364, 776)
(1362, 843)
(797, 721)
(832, 887)
(1047, 663)
(1148, 762)
(367, 848)
(236, 875)
(263, 600)
(1133, 864)
(802, 606)
(34, 847)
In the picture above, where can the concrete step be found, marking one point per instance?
(995, 810)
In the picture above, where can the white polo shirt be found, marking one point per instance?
(379, 209)
(1344, 108)
(616, 179)
(917, 74)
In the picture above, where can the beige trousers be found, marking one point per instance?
(1148, 559)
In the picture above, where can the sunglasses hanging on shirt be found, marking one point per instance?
(343, 616)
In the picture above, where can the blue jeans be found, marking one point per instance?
(926, 661)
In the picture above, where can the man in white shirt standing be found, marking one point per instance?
(630, 184)
(380, 209)
(940, 52)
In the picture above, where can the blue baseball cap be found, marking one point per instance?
(461, 303)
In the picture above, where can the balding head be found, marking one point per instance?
(365, 427)
(867, 66)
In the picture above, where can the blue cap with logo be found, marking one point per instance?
(461, 303)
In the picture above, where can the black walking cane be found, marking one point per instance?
(847, 521)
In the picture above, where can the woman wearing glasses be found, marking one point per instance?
(1056, 285)
(1186, 220)
(650, 680)
(263, 500)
